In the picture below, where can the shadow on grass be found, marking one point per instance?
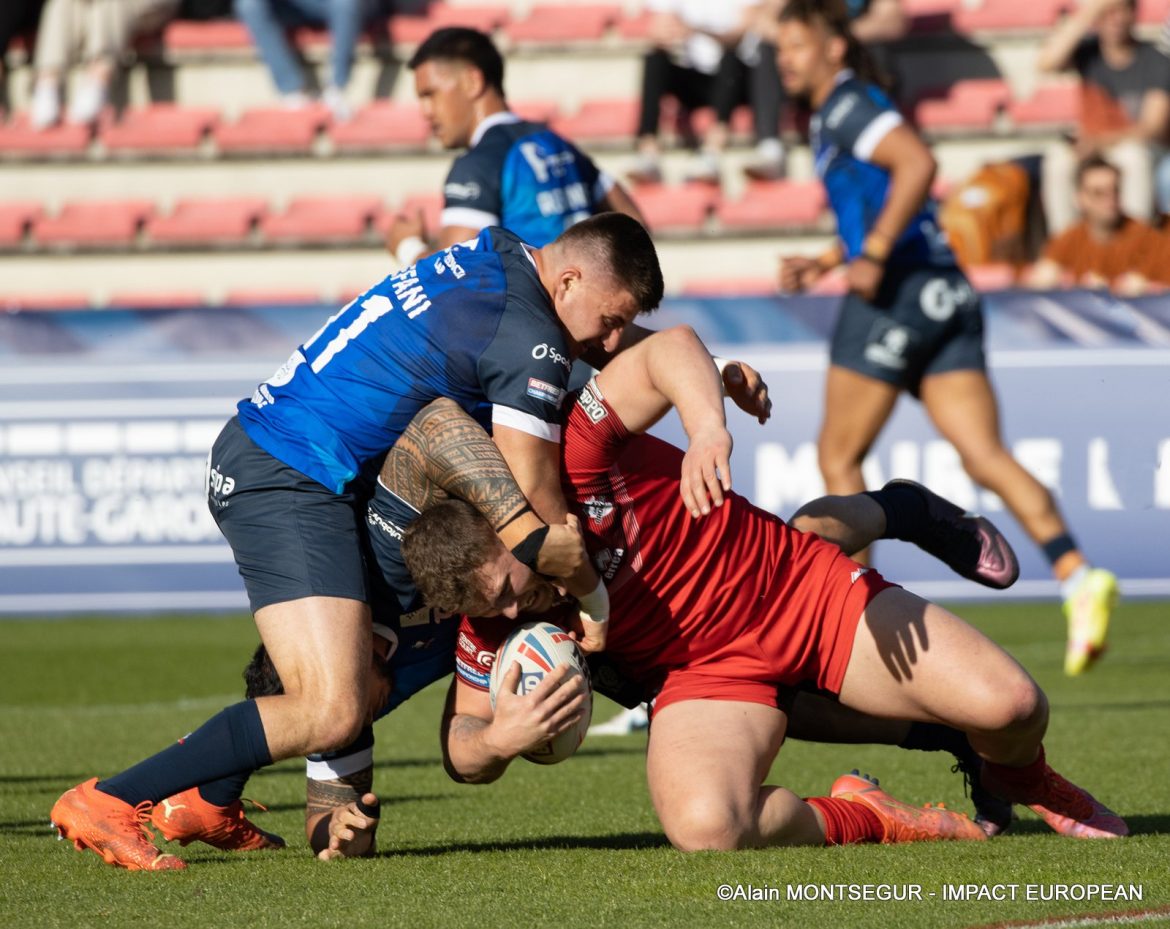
(1139, 824)
(620, 842)
(385, 801)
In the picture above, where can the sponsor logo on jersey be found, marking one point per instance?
(608, 561)
(544, 350)
(485, 659)
(839, 111)
(856, 575)
(474, 676)
(889, 350)
(592, 407)
(456, 191)
(219, 484)
(379, 522)
(465, 644)
(598, 509)
(447, 260)
(543, 390)
(422, 617)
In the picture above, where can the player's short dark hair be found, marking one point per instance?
(260, 677)
(1095, 162)
(624, 246)
(445, 549)
(470, 46)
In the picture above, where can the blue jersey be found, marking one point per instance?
(844, 133)
(524, 177)
(472, 323)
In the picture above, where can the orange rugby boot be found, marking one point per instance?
(902, 822)
(111, 827)
(188, 818)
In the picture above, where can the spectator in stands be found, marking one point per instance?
(16, 17)
(96, 33)
(1106, 248)
(1125, 105)
(515, 173)
(268, 20)
(707, 54)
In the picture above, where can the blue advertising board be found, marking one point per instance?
(106, 419)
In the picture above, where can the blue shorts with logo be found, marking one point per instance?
(925, 322)
(291, 537)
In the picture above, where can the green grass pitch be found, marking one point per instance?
(574, 845)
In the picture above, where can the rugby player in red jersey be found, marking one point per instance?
(715, 615)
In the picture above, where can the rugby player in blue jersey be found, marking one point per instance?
(515, 173)
(911, 321)
(492, 324)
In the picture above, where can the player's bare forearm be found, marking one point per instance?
(468, 756)
(619, 201)
(323, 797)
(912, 168)
(444, 452)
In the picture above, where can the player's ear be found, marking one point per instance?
(473, 82)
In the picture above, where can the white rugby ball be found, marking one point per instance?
(539, 647)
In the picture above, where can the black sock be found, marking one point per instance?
(230, 743)
(225, 791)
(935, 737)
(904, 508)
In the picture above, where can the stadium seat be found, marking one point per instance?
(675, 209)
(270, 297)
(214, 35)
(431, 205)
(60, 300)
(20, 139)
(322, 220)
(702, 119)
(382, 124)
(553, 24)
(1153, 12)
(15, 219)
(208, 222)
(538, 111)
(967, 105)
(1010, 15)
(635, 28)
(160, 128)
(411, 30)
(93, 224)
(990, 277)
(1051, 105)
(156, 299)
(729, 287)
(774, 204)
(272, 129)
(600, 120)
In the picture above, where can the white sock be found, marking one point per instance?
(1069, 585)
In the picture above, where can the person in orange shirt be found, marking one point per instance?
(1107, 248)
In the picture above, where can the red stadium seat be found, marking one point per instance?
(991, 277)
(94, 224)
(635, 28)
(1051, 105)
(1153, 12)
(676, 209)
(1010, 15)
(15, 219)
(157, 299)
(208, 222)
(161, 127)
(774, 204)
(61, 300)
(189, 36)
(558, 23)
(537, 111)
(271, 297)
(970, 104)
(600, 120)
(382, 124)
(411, 30)
(730, 287)
(18, 138)
(323, 220)
(273, 129)
(431, 205)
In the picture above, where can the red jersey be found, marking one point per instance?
(714, 592)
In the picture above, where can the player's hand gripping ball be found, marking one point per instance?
(539, 647)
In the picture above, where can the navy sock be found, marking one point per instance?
(1055, 549)
(935, 737)
(904, 508)
(225, 791)
(230, 743)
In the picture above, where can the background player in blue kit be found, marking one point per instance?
(492, 324)
(516, 174)
(911, 321)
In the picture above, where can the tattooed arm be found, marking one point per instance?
(341, 815)
(444, 452)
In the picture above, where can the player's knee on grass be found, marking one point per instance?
(704, 823)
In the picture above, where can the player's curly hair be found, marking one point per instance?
(623, 245)
(444, 550)
(470, 46)
(834, 16)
